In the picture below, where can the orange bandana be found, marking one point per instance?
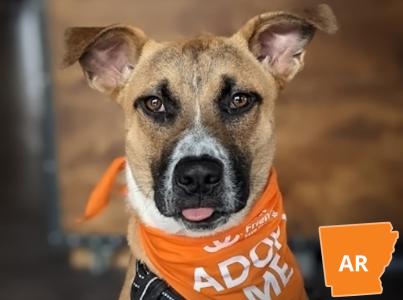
(101, 194)
(250, 261)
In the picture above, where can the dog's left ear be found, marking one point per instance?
(107, 55)
(278, 39)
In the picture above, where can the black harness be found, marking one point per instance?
(148, 286)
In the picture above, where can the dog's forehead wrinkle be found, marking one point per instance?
(190, 64)
(196, 82)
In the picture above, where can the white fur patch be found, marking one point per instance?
(146, 209)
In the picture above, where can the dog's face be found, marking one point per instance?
(199, 112)
(200, 129)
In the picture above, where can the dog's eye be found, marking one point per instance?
(240, 100)
(235, 101)
(238, 103)
(154, 104)
(159, 105)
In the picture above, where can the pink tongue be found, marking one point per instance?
(197, 214)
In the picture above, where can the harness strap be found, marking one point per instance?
(148, 286)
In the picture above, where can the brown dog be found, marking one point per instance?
(199, 125)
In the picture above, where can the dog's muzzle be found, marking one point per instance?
(199, 182)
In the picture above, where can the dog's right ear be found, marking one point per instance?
(107, 55)
(278, 40)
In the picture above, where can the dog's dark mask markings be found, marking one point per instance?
(198, 181)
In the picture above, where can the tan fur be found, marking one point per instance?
(194, 69)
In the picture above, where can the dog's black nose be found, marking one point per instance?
(198, 175)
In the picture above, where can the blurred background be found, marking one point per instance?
(339, 154)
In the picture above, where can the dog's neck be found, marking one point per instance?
(146, 210)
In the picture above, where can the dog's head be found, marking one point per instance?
(198, 112)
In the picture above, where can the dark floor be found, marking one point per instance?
(29, 267)
(31, 270)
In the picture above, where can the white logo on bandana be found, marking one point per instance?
(218, 245)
